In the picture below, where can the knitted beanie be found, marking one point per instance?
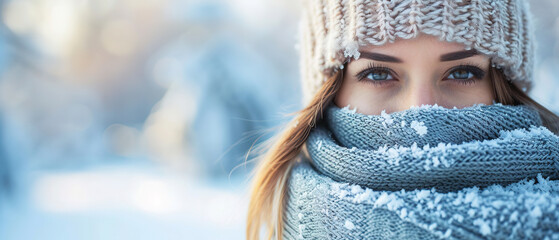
(333, 30)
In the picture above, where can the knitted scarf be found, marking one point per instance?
(482, 172)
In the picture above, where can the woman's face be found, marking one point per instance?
(415, 72)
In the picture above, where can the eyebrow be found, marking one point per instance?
(444, 58)
(380, 57)
(458, 55)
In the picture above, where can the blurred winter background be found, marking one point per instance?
(130, 119)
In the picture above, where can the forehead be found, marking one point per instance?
(423, 45)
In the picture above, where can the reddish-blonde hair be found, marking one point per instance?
(269, 189)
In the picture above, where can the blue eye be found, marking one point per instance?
(379, 75)
(461, 74)
(376, 74)
(466, 72)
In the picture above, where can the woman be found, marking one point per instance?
(417, 126)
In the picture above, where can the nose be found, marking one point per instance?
(421, 94)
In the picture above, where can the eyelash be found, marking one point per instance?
(473, 68)
(373, 67)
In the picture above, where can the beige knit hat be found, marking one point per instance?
(333, 30)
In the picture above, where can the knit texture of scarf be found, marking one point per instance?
(483, 172)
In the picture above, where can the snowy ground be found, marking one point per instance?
(124, 202)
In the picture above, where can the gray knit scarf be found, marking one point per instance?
(483, 172)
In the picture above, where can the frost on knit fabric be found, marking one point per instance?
(448, 149)
(493, 183)
(491, 210)
(419, 127)
(519, 211)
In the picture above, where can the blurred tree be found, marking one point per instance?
(238, 97)
(5, 178)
